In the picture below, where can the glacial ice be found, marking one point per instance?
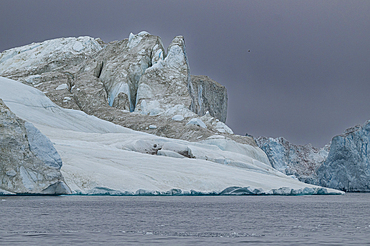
(78, 46)
(62, 87)
(222, 127)
(134, 40)
(141, 79)
(175, 57)
(170, 153)
(347, 166)
(29, 163)
(26, 179)
(29, 56)
(178, 117)
(344, 164)
(296, 160)
(197, 122)
(102, 158)
(179, 109)
(42, 147)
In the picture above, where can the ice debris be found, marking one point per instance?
(178, 117)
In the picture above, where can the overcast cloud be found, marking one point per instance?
(306, 77)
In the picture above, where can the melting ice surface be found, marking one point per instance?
(100, 157)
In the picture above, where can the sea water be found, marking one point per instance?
(185, 220)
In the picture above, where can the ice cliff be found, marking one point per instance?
(343, 164)
(211, 97)
(295, 160)
(29, 162)
(347, 166)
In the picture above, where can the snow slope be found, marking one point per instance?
(102, 158)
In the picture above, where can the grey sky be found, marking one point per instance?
(307, 77)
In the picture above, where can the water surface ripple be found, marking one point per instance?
(181, 220)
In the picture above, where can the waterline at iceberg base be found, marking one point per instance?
(230, 191)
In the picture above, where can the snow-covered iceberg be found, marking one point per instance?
(100, 157)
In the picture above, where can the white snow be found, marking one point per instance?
(31, 79)
(62, 87)
(11, 172)
(178, 117)
(197, 122)
(149, 108)
(152, 127)
(31, 56)
(78, 46)
(134, 40)
(170, 153)
(175, 57)
(222, 127)
(179, 109)
(102, 158)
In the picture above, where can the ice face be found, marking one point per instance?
(29, 162)
(347, 165)
(290, 159)
(42, 147)
(134, 40)
(344, 165)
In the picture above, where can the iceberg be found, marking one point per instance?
(342, 164)
(101, 158)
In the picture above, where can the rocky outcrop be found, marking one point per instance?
(347, 166)
(295, 160)
(208, 96)
(29, 162)
(134, 83)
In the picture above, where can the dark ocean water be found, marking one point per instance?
(200, 220)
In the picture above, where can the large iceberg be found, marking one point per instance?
(137, 83)
(100, 157)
